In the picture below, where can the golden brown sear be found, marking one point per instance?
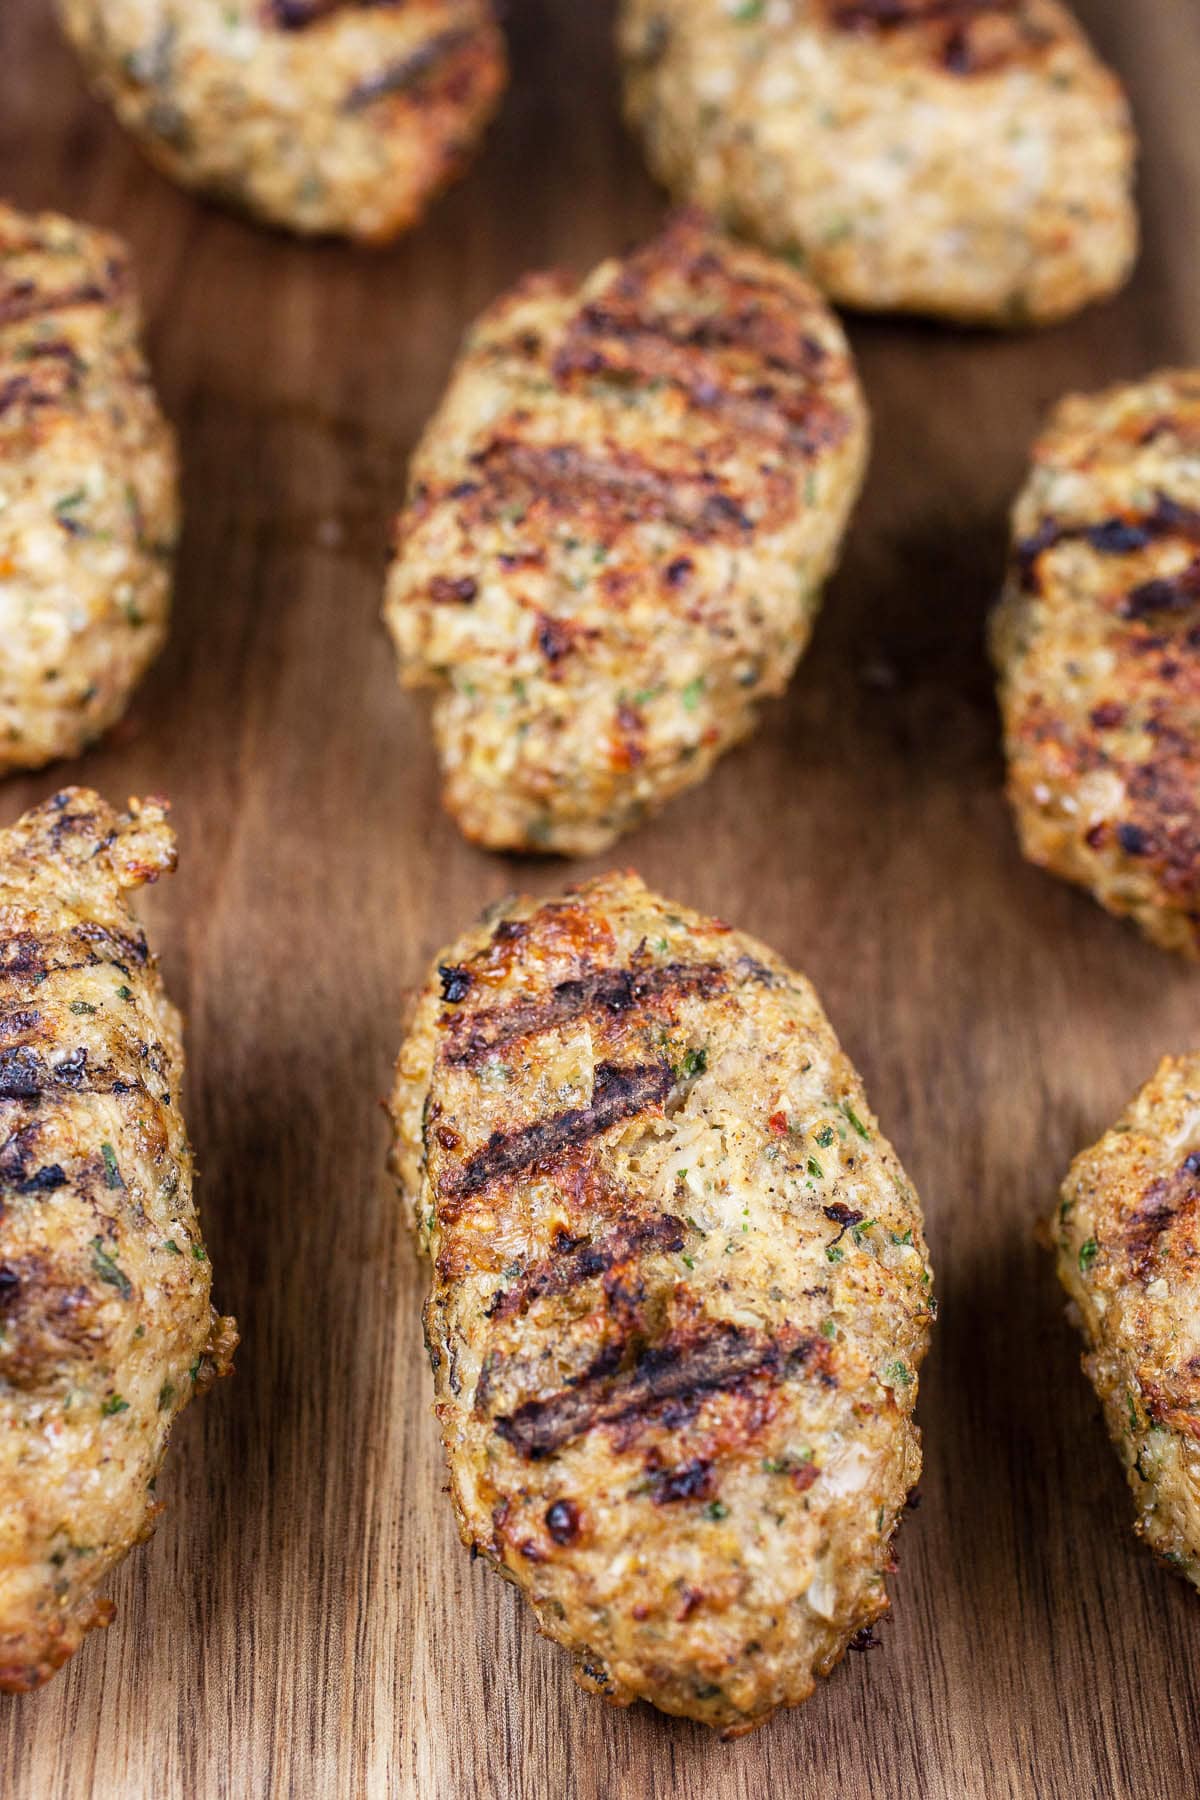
(106, 1327)
(966, 158)
(1097, 642)
(88, 501)
(680, 1296)
(618, 526)
(1125, 1233)
(342, 116)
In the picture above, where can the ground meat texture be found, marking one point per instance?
(106, 1328)
(971, 159)
(679, 1299)
(1125, 1233)
(1097, 642)
(88, 502)
(324, 116)
(618, 526)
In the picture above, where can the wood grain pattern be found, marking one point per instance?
(304, 1623)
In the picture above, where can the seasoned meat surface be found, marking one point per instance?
(680, 1296)
(968, 158)
(1125, 1232)
(88, 506)
(1097, 641)
(618, 525)
(106, 1329)
(324, 116)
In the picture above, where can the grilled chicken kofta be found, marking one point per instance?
(965, 158)
(1097, 641)
(1125, 1233)
(88, 496)
(106, 1328)
(323, 116)
(617, 529)
(680, 1296)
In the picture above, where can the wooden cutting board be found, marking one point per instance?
(305, 1623)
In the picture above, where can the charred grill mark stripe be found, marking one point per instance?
(623, 485)
(1161, 1205)
(408, 71)
(618, 1094)
(1109, 537)
(294, 15)
(1170, 593)
(25, 300)
(472, 1036)
(558, 1275)
(722, 1357)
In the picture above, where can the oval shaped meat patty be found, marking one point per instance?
(342, 116)
(680, 1296)
(1097, 642)
(1125, 1233)
(969, 158)
(88, 504)
(106, 1330)
(618, 525)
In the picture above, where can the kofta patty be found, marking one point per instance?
(1097, 642)
(106, 1325)
(1125, 1233)
(966, 158)
(680, 1296)
(618, 525)
(326, 116)
(88, 490)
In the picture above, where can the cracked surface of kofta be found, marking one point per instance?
(1125, 1232)
(965, 158)
(340, 117)
(680, 1296)
(1097, 643)
(88, 490)
(106, 1324)
(617, 529)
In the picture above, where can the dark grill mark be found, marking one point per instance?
(22, 1073)
(558, 1275)
(1173, 593)
(720, 1357)
(446, 590)
(470, 1037)
(617, 1094)
(620, 487)
(44, 1181)
(294, 15)
(1164, 1202)
(408, 72)
(1110, 537)
(25, 300)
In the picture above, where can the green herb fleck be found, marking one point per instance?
(692, 692)
(124, 993)
(834, 1252)
(897, 1374)
(856, 1122)
(173, 1247)
(114, 1404)
(166, 1394)
(108, 1270)
(716, 1509)
(82, 1006)
(825, 1136)
(815, 1169)
(200, 1253)
(112, 1173)
(694, 1063)
(1087, 1254)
